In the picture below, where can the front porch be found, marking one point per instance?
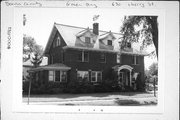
(125, 76)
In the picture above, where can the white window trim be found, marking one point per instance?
(82, 58)
(96, 75)
(61, 76)
(111, 42)
(83, 71)
(54, 76)
(118, 59)
(135, 60)
(89, 39)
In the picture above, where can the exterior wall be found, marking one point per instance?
(93, 64)
(69, 57)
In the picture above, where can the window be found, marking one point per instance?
(118, 58)
(135, 60)
(109, 42)
(86, 56)
(58, 76)
(51, 75)
(96, 76)
(58, 41)
(83, 76)
(87, 40)
(63, 76)
(128, 45)
(102, 58)
(83, 56)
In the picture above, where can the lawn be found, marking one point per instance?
(97, 99)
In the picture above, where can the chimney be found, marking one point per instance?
(96, 28)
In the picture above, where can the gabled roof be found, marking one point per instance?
(81, 33)
(103, 36)
(70, 33)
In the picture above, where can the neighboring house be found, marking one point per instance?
(27, 65)
(84, 54)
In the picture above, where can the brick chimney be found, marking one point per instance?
(96, 28)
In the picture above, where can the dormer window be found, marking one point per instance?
(128, 45)
(87, 40)
(109, 42)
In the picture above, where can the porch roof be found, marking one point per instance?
(57, 66)
(120, 67)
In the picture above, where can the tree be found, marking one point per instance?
(145, 28)
(30, 47)
(36, 60)
(153, 69)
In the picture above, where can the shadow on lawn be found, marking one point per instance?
(133, 102)
(127, 102)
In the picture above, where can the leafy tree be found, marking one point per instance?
(36, 60)
(145, 28)
(30, 47)
(153, 69)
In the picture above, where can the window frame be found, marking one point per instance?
(118, 58)
(108, 42)
(135, 60)
(54, 76)
(87, 39)
(82, 53)
(84, 75)
(96, 76)
(102, 59)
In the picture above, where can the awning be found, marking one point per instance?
(57, 66)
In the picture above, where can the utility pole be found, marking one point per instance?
(29, 91)
(154, 84)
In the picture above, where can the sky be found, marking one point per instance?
(39, 22)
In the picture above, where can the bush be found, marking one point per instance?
(80, 87)
(50, 88)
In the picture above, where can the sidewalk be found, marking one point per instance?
(123, 98)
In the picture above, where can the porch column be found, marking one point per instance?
(130, 78)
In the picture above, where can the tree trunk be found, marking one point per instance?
(155, 33)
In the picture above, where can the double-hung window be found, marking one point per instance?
(109, 42)
(51, 75)
(135, 60)
(102, 58)
(118, 58)
(57, 76)
(83, 56)
(87, 40)
(96, 76)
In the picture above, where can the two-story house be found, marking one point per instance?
(84, 54)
